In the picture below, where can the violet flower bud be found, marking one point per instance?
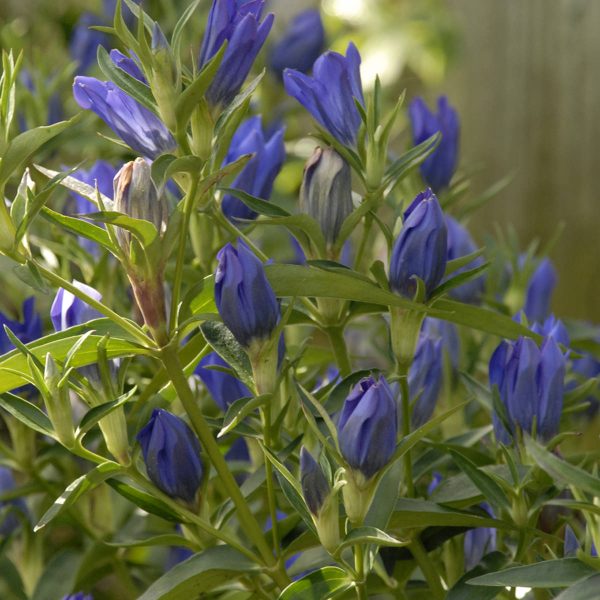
(239, 24)
(530, 382)
(421, 248)
(368, 426)
(300, 45)
(479, 541)
(425, 378)
(326, 192)
(259, 173)
(437, 169)
(28, 330)
(172, 455)
(244, 296)
(539, 291)
(68, 310)
(84, 42)
(330, 93)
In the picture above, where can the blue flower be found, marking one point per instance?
(315, 487)
(78, 596)
(539, 291)
(530, 382)
(460, 243)
(437, 169)
(244, 296)
(224, 388)
(84, 43)
(425, 379)
(421, 248)
(300, 45)
(28, 330)
(9, 508)
(436, 479)
(172, 455)
(330, 93)
(368, 426)
(259, 173)
(479, 541)
(139, 128)
(68, 310)
(128, 65)
(553, 327)
(447, 333)
(238, 23)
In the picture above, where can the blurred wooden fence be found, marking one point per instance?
(527, 85)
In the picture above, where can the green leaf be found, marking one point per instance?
(561, 470)
(454, 265)
(183, 164)
(97, 413)
(460, 279)
(143, 230)
(239, 410)
(59, 576)
(411, 512)
(547, 574)
(371, 535)
(29, 274)
(411, 159)
(145, 501)
(199, 574)
(130, 85)
(323, 584)
(25, 145)
(59, 344)
(262, 207)
(486, 484)
(586, 589)
(303, 223)
(77, 488)
(165, 539)
(26, 412)
(80, 227)
(229, 349)
(461, 590)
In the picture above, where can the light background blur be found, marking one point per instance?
(523, 74)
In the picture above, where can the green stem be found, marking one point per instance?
(266, 418)
(408, 477)
(363, 241)
(183, 236)
(125, 324)
(427, 568)
(359, 565)
(338, 345)
(226, 224)
(247, 520)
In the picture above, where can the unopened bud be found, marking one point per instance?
(56, 399)
(136, 196)
(326, 193)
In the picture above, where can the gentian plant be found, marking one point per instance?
(186, 412)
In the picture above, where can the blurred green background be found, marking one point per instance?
(523, 76)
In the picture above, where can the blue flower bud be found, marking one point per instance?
(530, 382)
(172, 455)
(460, 243)
(128, 65)
(259, 173)
(553, 327)
(315, 486)
(9, 508)
(244, 297)
(436, 479)
(84, 42)
(437, 169)
(78, 596)
(479, 541)
(326, 192)
(571, 544)
(68, 310)
(368, 426)
(421, 248)
(447, 333)
(539, 291)
(139, 128)
(330, 93)
(238, 23)
(224, 388)
(425, 378)
(300, 45)
(587, 367)
(28, 330)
